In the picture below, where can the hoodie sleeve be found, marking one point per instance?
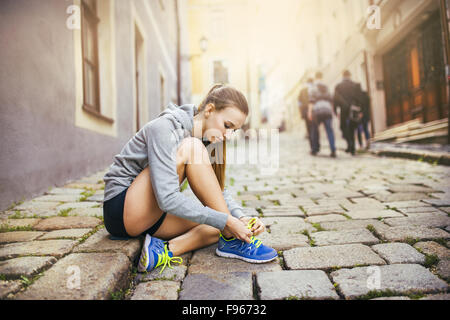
(235, 209)
(161, 139)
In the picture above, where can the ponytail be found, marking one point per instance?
(223, 96)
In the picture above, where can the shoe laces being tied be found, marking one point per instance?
(164, 259)
(253, 239)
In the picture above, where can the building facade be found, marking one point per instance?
(393, 48)
(79, 79)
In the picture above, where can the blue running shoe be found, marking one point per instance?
(154, 254)
(253, 252)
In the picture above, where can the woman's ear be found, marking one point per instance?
(209, 109)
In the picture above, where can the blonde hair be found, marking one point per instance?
(223, 96)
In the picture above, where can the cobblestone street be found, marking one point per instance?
(359, 227)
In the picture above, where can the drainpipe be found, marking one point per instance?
(177, 18)
(369, 92)
(446, 42)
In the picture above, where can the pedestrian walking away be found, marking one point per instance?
(321, 111)
(142, 186)
(347, 97)
(303, 101)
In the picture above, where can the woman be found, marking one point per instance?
(142, 187)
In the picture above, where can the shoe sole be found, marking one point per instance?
(235, 256)
(144, 251)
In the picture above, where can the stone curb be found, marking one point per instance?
(440, 158)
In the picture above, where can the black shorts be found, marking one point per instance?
(113, 217)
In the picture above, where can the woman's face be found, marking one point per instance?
(219, 125)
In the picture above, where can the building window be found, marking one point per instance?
(91, 96)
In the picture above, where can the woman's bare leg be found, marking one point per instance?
(141, 210)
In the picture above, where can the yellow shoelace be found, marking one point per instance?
(164, 259)
(254, 241)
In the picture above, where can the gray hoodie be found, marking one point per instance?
(155, 145)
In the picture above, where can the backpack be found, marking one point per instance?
(322, 105)
(322, 108)
(355, 114)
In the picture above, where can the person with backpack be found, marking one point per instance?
(321, 111)
(347, 97)
(303, 101)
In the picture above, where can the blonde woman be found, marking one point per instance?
(142, 187)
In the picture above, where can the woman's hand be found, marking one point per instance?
(237, 229)
(257, 228)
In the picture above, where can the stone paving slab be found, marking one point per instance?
(277, 196)
(438, 202)
(399, 253)
(59, 223)
(217, 286)
(428, 220)
(82, 185)
(323, 210)
(37, 206)
(419, 211)
(59, 198)
(176, 273)
(25, 266)
(326, 218)
(87, 212)
(9, 287)
(392, 298)
(19, 236)
(76, 205)
(298, 284)
(372, 214)
(351, 224)
(433, 248)
(296, 202)
(410, 188)
(443, 296)
(405, 204)
(403, 233)
(258, 204)
(56, 248)
(402, 278)
(280, 242)
(157, 290)
(443, 269)
(19, 223)
(65, 234)
(100, 275)
(65, 191)
(206, 261)
(345, 194)
(326, 238)
(282, 211)
(329, 257)
(287, 225)
(101, 242)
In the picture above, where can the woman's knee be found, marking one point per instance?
(193, 151)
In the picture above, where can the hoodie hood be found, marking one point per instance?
(183, 114)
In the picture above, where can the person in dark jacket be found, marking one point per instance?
(347, 94)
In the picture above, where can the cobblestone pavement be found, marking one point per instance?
(360, 227)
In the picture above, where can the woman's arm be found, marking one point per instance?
(235, 209)
(162, 142)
